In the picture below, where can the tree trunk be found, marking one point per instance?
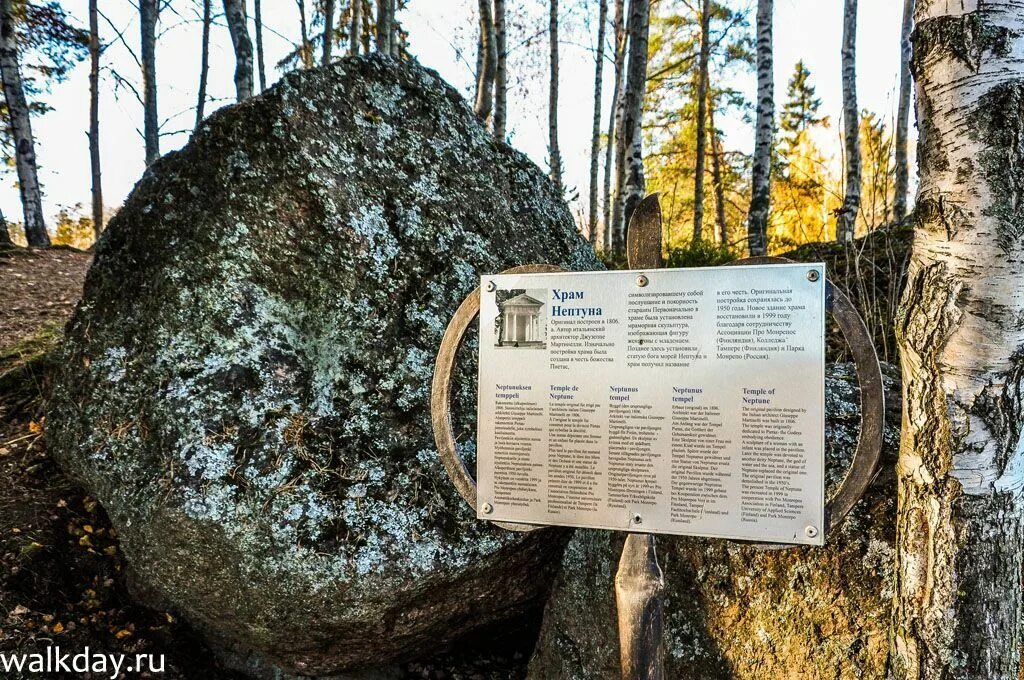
(367, 7)
(903, 117)
(257, 17)
(595, 132)
(846, 223)
(21, 130)
(355, 27)
(328, 46)
(5, 235)
(702, 114)
(500, 72)
(716, 176)
(234, 14)
(204, 62)
(614, 119)
(384, 26)
(148, 13)
(488, 56)
(305, 49)
(961, 469)
(629, 146)
(94, 119)
(553, 150)
(760, 199)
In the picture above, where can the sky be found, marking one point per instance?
(441, 37)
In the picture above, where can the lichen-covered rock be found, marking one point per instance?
(739, 613)
(245, 383)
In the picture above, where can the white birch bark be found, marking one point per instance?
(148, 14)
(760, 200)
(903, 115)
(234, 15)
(595, 131)
(21, 130)
(633, 109)
(957, 612)
(846, 222)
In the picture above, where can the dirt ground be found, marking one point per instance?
(62, 575)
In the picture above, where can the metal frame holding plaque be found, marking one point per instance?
(673, 401)
(687, 401)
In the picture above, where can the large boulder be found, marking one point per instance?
(245, 383)
(737, 612)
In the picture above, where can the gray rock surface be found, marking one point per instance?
(736, 612)
(245, 383)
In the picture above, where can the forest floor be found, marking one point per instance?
(62, 575)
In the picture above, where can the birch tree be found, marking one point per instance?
(554, 153)
(846, 221)
(148, 15)
(595, 132)
(903, 115)
(94, 119)
(204, 62)
(500, 72)
(760, 200)
(234, 14)
(619, 33)
(961, 464)
(487, 54)
(702, 115)
(20, 122)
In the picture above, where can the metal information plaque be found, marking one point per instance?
(679, 401)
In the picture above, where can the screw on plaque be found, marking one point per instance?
(637, 519)
(487, 508)
(491, 287)
(642, 281)
(813, 275)
(811, 531)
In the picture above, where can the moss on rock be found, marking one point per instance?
(245, 383)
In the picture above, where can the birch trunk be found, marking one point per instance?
(94, 119)
(486, 62)
(702, 114)
(613, 130)
(903, 116)
(21, 130)
(500, 72)
(760, 199)
(957, 611)
(204, 62)
(354, 27)
(148, 13)
(257, 18)
(716, 175)
(234, 14)
(631, 145)
(328, 45)
(553, 150)
(595, 132)
(846, 223)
